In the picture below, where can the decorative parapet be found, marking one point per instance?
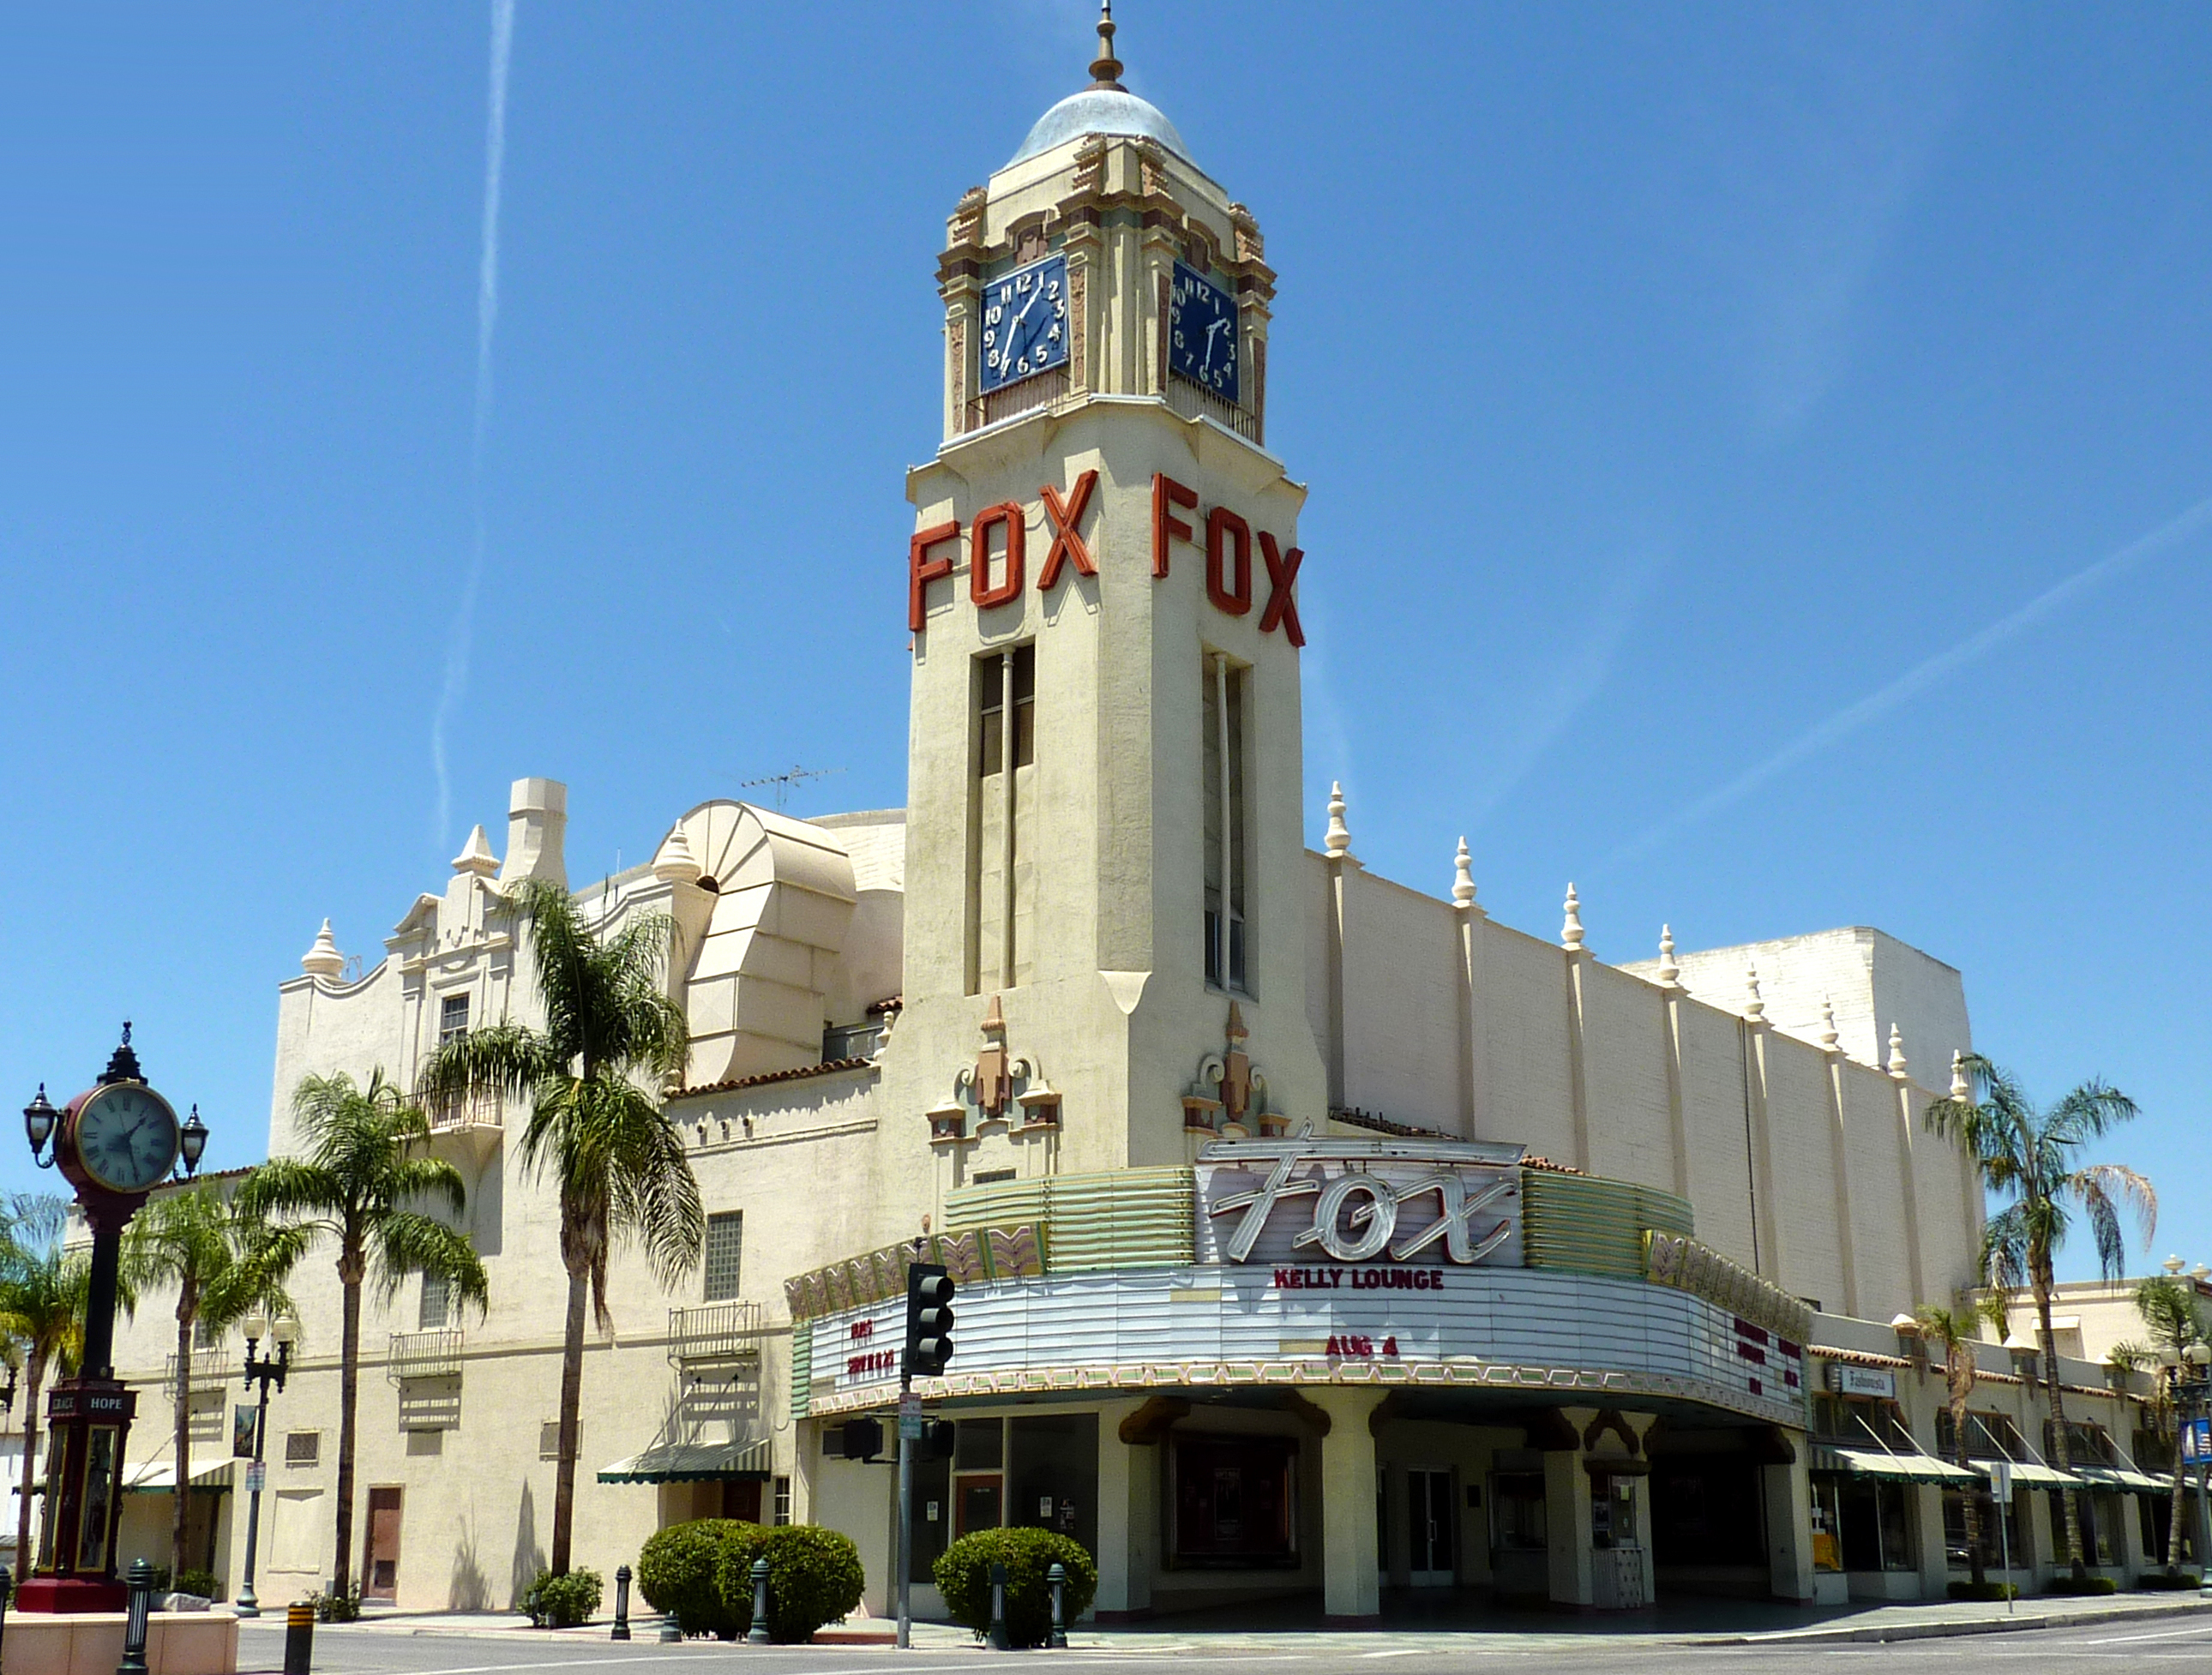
(1678, 1261)
(971, 1258)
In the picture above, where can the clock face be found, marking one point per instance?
(1202, 332)
(126, 1137)
(1025, 323)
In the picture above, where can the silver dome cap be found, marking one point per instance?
(1099, 109)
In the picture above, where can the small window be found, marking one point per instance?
(303, 1448)
(725, 1239)
(548, 1439)
(437, 1303)
(203, 1336)
(992, 673)
(990, 1176)
(1224, 777)
(453, 1019)
(783, 1500)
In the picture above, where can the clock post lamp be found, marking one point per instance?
(115, 1142)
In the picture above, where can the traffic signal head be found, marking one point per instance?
(862, 1439)
(937, 1440)
(928, 1320)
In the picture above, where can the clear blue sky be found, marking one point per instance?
(1672, 381)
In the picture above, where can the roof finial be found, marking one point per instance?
(1571, 931)
(1462, 877)
(1754, 1004)
(1829, 1034)
(1336, 843)
(1670, 974)
(1897, 1062)
(1106, 68)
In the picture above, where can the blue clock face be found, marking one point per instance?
(1202, 332)
(1026, 322)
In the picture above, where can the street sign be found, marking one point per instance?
(910, 1422)
(2196, 1443)
(2001, 1482)
(257, 1475)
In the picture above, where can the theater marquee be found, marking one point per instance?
(1292, 1203)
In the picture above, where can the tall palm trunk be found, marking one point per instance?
(2062, 1457)
(2174, 1524)
(177, 1497)
(572, 1401)
(35, 1374)
(349, 1273)
(1970, 1495)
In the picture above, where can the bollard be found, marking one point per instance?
(1056, 1579)
(672, 1629)
(1000, 1641)
(758, 1635)
(299, 1639)
(621, 1603)
(134, 1626)
(7, 1587)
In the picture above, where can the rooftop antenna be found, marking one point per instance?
(785, 783)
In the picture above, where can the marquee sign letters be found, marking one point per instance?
(997, 554)
(1356, 1200)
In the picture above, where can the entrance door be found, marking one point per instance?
(975, 1503)
(379, 1570)
(1429, 1528)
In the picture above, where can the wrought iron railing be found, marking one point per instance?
(477, 1111)
(1194, 402)
(715, 1332)
(1038, 390)
(424, 1354)
(210, 1370)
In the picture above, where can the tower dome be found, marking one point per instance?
(1104, 107)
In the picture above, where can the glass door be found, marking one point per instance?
(1428, 1544)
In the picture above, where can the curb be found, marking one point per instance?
(1997, 1625)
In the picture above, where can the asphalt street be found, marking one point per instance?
(385, 1651)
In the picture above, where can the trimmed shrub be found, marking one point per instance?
(562, 1602)
(200, 1583)
(1983, 1590)
(814, 1577)
(964, 1577)
(2157, 1582)
(676, 1573)
(2080, 1584)
(337, 1608)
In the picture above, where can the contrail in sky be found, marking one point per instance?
(457, 649)
(1853, 717)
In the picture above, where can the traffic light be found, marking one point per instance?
(928, 1320)
(937, 1439)
(862, 1439)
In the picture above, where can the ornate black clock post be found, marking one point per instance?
(115, 1142)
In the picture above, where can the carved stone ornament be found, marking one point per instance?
(1230, 1088)
(998, 1087)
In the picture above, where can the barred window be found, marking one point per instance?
(303, 1448)
(782, 1500)
(453, 1019)
(726, 1237)
(437, 1303)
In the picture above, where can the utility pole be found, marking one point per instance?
(928, 1347)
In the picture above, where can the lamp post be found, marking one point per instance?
(2193, 1396)
(262, 1371)
(116, 1142)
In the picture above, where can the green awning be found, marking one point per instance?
(160, 1477)
(2120, 1477)
(694, 1462)
(2034, 1474)
(1877, 1463)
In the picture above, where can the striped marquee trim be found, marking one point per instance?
(1423, 1375)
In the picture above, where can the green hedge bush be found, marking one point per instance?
(202, 1584)
(1983, 1590)
(964, 1577)
(2079, 1585)
(814, 1577)
(676, 1573)
(2157, 1582)
(562, 1602)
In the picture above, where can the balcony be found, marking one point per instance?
(472, 1128)
(1037, 391)
(425, 1367)
(1194, 403)
(210, 1370)
(716, 1334)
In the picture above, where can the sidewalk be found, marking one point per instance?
(1715, 1622)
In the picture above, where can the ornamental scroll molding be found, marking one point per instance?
(1230, 1088)
(1002, 1086)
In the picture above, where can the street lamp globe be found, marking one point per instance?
(287, 1329)
(191, 1140)
(39, 1117)
(257, 1325)
(2168, 1356)
(2200, 1356)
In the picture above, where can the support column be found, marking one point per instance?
(1567, 1523)
(1788, 1492)
(1350, 1566)
(1571, 942)
(1766, 1223)
(1933, 1551)
(1670, 1047)
(1473, 1047)
(1337, 850)
(1128, 1512)
(1839, 1161)
(1909, 1233)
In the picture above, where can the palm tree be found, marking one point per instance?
(1956, 1332)
(2170, 1317)
(2030, 1156)
(224, 1266)
(42, 1305)
(617, 1159)
(360, 1183)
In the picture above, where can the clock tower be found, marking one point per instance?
(1106, 890)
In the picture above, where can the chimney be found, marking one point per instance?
(537, 817)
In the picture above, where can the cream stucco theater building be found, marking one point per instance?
(1315, 1235)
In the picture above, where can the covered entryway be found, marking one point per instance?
(379, 1563)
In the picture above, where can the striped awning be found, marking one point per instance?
(159, 1477)
(694, 1462)
(1879, 1463)
(2034, 1474)
(2120, 1477)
